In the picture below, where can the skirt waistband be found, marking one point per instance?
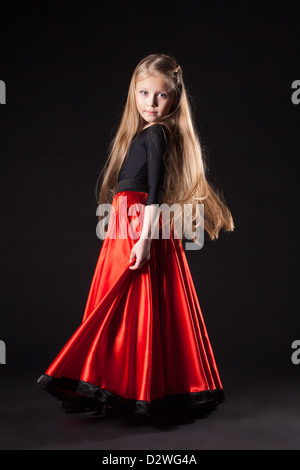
(131, 185)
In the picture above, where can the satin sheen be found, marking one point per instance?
(142, 335)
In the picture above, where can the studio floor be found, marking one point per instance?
(265, 417)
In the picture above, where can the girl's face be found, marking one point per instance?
(153, 98)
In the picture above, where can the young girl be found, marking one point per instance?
(142, 347)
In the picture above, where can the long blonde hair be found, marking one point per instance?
(186, 181)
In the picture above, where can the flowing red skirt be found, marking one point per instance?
(142, 345)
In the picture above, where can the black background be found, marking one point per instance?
(67, 68)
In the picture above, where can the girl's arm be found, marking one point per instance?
(141, 250)
(155, 144)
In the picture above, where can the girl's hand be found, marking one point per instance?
(140, 251)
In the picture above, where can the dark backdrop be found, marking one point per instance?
(67, 68)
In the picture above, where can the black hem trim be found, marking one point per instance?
(80, 396)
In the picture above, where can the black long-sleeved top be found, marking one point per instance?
(144, 162)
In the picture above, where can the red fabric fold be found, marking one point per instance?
(143, 334)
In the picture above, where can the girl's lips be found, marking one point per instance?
(151, 112)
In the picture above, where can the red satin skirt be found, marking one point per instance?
(142, 346)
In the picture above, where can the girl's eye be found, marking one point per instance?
(144, 93)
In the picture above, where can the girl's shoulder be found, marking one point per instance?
(156, 130)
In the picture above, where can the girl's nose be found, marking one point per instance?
(152, 101)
